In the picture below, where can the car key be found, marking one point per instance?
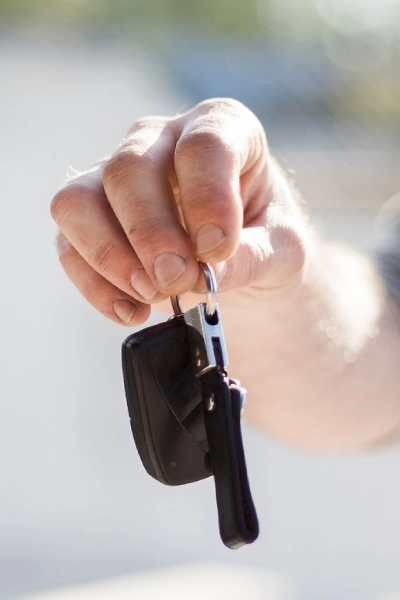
(223, 400)
(165, 403)
(185, 412)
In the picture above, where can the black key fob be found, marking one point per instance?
(185, 411)
(165, 406)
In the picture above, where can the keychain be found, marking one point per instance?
(185, 412)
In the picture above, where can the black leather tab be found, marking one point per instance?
(238, 523)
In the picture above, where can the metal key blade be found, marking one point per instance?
(206, 340)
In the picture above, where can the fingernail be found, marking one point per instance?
(124, 310)
(209, 237)
(168, 267)
(140, 282)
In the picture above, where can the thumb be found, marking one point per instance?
(273, 247)
(266, 259)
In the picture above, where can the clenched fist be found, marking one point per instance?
(197, 186)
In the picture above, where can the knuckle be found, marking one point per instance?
(58, 203)
(203, 137)
(86, 184)
(125, 164)
(222, 104)
(104, 256)
(149, 122)
(116, 167)
(234, 118)
(65, 201)
(143, 235)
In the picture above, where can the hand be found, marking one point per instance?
(198, 186)
(297, 311)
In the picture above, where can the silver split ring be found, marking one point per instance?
(211, 282)
(211, 299)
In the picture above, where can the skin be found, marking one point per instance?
(310, 329)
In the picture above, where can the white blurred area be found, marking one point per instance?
(180, 582)
(76, 504)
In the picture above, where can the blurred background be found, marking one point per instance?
(76, 504)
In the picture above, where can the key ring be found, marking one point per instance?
(211, 299)
(211, 282)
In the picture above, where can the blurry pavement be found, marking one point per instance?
(76, 504)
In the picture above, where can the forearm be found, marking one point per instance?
(320, 363)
